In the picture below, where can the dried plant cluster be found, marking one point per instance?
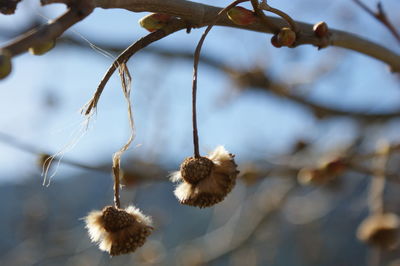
(205, 181)
(118, 231)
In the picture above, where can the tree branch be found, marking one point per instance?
(198, 15)
(51, 30)
(201, 15)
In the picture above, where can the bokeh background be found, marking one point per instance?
(244, 103)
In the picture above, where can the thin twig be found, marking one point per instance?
(286, 17)
(381, 16)
(175, 25)
(375, 200)
(195, 70)
(264, 19)
(126, 88)
(12, 141)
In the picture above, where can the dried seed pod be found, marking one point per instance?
(195, 169)
(118, 231)
(241, 16)
(217, 179)
(380, 229)
(286, 37)
(155, 21)
(321, 29)
(42, 48)
(5, 63)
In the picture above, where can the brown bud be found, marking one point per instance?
(5, 64)
(241, 16)
(286, 37)
(321, 29)
(274, 41)
(155, 21)
(42, 48)
(195, 169)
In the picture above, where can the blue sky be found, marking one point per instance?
(250, 124)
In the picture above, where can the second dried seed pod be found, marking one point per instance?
(206, 181)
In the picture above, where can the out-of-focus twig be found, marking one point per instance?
(377, 186)
(257, 78)
(8, 7)
(251, 79)
(293, 25)
(143, 171)
(242, 226)
(52, 30)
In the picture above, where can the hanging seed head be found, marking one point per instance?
(286, 37)
(155, 21)
(5, 63)
(241, 16)
(118, 231)
(217, 179)
(42, 48)
(195, 169)
(380, 229)
(321, 29)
